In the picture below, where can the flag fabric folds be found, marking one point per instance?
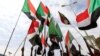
(94, 4)
(69, 38)
(35, 40)
(82, 17)
(52, 28)
(59, 32)
(63, 18)
(43, 14)
(34, 24)
(47, 12)
(29, 9)
(87, 19)
(53, 31)
(40, 13)
(33, 29)
(40, 10)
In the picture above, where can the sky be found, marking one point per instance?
(10, 11)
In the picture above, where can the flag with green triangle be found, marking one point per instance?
(29, 9)
(40, 12)
(53, 30)
(60, 35)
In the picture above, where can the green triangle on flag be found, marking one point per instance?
(29, 9)
(40, 11)
(26, 7)
(94, 4)
(59, 32)
(53, 30)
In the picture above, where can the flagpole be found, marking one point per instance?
(12, 33)
(25, 40)
(19, 47)
(75, 38)
(62, 49)
(31, 51)
(69, 4)
(88, 36)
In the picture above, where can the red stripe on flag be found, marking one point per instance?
(36, 23)
(31, 29)
(32, 26)
(31, 7)
(45, 8)
(67, 38)
(82, 16)
(43, 40)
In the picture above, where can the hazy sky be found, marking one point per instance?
(9, 13)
